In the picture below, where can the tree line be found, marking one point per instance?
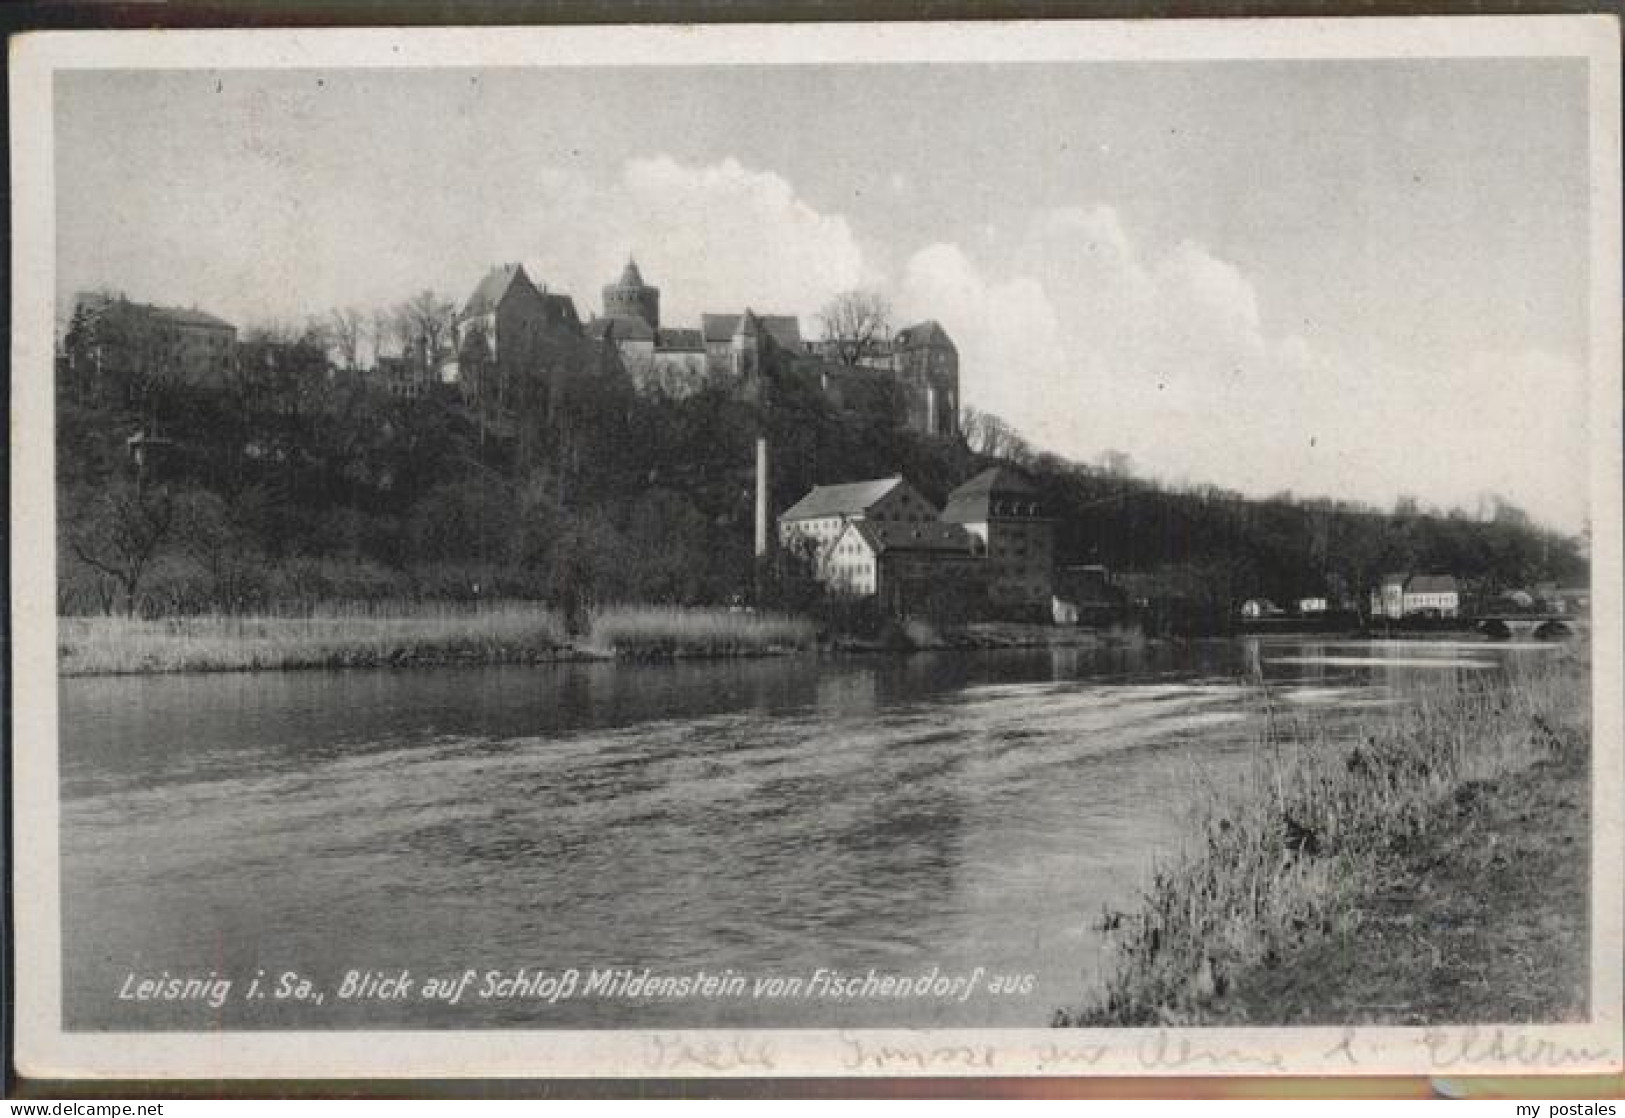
(300, 480)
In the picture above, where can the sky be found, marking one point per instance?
(1361, 279)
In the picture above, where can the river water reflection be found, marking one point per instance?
(765, 817)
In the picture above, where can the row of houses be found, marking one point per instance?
(992, 543)
(1433, 596)
(1396, 597)
(1546, 598)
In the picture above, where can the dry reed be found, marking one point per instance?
(333, 636)
(406, 633)
(1278, 863)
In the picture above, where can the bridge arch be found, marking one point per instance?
(1495, 629)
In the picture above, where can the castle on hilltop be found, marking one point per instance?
(919, 363)
(511, 332)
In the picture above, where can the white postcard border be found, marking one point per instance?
(45, 1050)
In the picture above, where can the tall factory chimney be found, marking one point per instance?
(761, 497)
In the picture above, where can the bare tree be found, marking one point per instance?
(988, 435)
(428, 316)
(383, 329)
(343, 329)
(856, 324)
(121, 532)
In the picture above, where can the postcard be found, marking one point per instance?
(999, 549)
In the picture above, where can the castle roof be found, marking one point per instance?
(623, 328)
(491, 290)
(630, 276)
(976, 499)
(748, 325)
(184, 317)
(922, 334)
(97, 302)
(848, 499)
(667, 338)
(884, 536)
(785, 329)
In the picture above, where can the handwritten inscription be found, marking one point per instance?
(1054, 1057)
(1166, 1051)
(1344, 1048)
(1476, 1047)
(902, 1055)
(669, 1052)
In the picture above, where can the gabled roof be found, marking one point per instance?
(499, 282)
(1431, 584)
(932, 536)
(785, 329)
(997, 479)
(849, 499)
(974, 500)
(623, 328)
(192, 318)
(666, 338)
(96, 302)
(491, 290)
(927, 333)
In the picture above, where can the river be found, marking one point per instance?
(919, 816)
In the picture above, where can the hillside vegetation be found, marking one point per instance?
(288, 487)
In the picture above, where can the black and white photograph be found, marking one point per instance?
(806, 549)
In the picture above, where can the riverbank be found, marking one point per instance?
(412, 635)
(1495, 930)
(1435, 872)
(404, 635)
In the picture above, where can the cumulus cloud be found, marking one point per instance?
(1082, 331)
(713, 237)
(1007, 332)
(1088, 339)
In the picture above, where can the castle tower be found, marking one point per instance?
(927, 361)
(747, 345)
(630, 297)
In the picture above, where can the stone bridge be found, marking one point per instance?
(1543, 626)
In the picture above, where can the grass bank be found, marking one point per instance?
(1342, 881)
(407, 634)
